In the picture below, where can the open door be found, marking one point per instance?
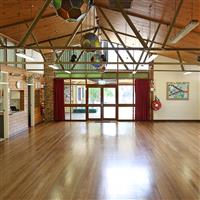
(31, 103)
(4, 111)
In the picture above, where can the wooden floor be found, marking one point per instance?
(121, 161)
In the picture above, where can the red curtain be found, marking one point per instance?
(59, 112)
(142, 101)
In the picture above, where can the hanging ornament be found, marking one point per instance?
(72, 10)
(100, 59)
(156, 104)
(73, 58)
(90, 40)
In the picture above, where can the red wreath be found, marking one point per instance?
(156, 104)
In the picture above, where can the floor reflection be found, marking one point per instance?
(126, 180)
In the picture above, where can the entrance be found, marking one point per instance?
(101, 102)
(87, 99)
(4, 121)
(31, 103)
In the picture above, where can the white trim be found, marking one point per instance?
(3, 83)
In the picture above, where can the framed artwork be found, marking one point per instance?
(177, 90)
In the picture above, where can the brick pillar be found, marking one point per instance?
(48, 89)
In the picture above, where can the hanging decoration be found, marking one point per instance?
(90, 40)
(72, 10)
(99, 58)
(73, 58)
(156, 104)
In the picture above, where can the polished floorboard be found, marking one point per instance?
(102, 161)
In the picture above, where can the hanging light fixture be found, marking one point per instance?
(187, 73)
(68, 72)
(134, 72)
(53, 67)
(151, 58)
(22, 55)
(183, 32)
(187, 29)
(101, 82)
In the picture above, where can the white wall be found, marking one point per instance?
(177, 110)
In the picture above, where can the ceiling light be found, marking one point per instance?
(183, 32)
(101, 82)
(151, 58)
(22, 55)
(53, 67)
(68, 72)
(134, 72)
(186, 73)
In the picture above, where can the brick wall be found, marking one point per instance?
(48, 91)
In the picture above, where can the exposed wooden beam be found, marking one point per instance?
(152, 41)
(113, 29)
(63, 36)
(173, 22)
(140, 58)
(117, 71)
(71, 37)
(74, 65)
(26, 21)
(106, 35)
(140, 16)
(95, 30)
(151, 45)
(35, 40)
(56, 54)
(128, 35)
(89, 63)
(1, 42)
(34, 23)
(181, 61)
(193, 49)
(130, 23)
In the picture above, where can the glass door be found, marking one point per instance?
(94, 98)
(101, 102)
(109, 103)
(126, 102)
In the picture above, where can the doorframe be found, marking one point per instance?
(101, 105)
(86, 84)
(5, 105)
(32, 102)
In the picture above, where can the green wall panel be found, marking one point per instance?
(100, 75)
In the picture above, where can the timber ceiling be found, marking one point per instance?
(145, 15)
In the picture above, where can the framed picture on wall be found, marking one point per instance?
(178, 91)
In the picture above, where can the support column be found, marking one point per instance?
(49, 76)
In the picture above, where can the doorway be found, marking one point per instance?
(31, 103)
(4, 108)
(101, 102)
(87, 99)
